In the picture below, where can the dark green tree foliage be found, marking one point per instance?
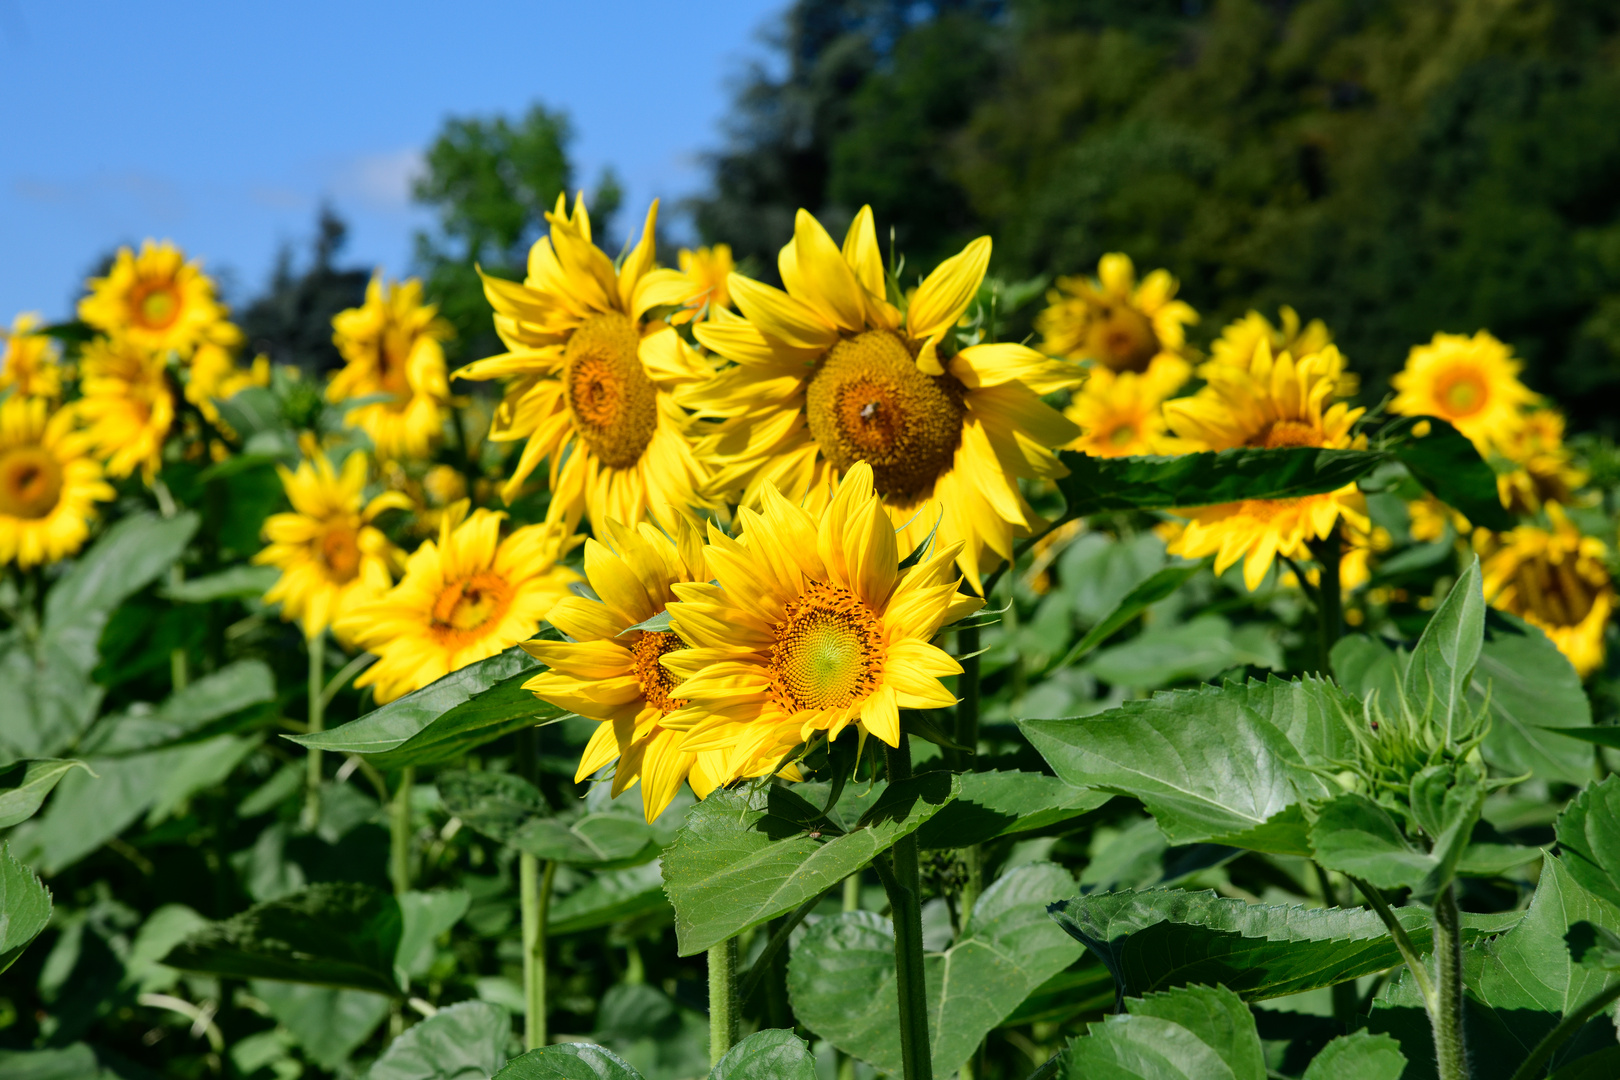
(1393, 169)
(291, 321)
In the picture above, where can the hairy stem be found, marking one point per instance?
(905, 901)
(317, 722)
(534, 889)
(1447, 1018)
(399, 832)
(1409, 953)
(723, 999)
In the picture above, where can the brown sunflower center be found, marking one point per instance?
(1555, 592)
(155, 305)
(465, 609)
(340, 551)
(613, 402)
(393, 359)
(1461, 393)
(656, 681)
(868, 402)
(1284, 433)
(1122, 338)
(828, 652)
(30, 482)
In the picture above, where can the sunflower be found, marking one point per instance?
(30, 362)
(829, 373)
(1115, 323)
(49, 485)
(1271, 403)
(1543, 471)
(158, 301)
(610, 672)
(1235, 347)
(462, 599)
(706, 271)
(331, 557)
(214, 375)
(128, 404)
(1429, 516)
(393, 345)
(1470, 382)
(1120, 415)
(810, 627)
(591, 376)
(1555, 578)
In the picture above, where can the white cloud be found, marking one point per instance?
(382, 181)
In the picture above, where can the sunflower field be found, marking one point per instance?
(803, 674)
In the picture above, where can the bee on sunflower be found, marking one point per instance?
(706, 269)
(30, 362)
(158, 301)
(49, 483)
(831, 373)
(393, 345)
(1272, 403)
(809, 626)
(1471, 383)
(462, 599)
(1554, 577)
(128, 404)
(331, 556)
(591, 373)
(1115, 323)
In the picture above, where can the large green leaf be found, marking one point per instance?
(1442, 661)
(510, 809)
(1229, 765)
(1359, 1056)
(841, 975)
(1156, 588)
(1192, 1033)
(1097, 484)
(445, 719)
(1447, 464)
(424, 917)
(1356, 836)
(772, 1054)
(337, 934)
(1589, 839)
(24, 785)
(231, 689)
(568, 1061)
(242, 582)
(749, 855)
(466, 1041)
(329, 1022)
(993, 804)
(25, 907)
(1159, 938)
(1199, 648)
(1531, 687)
(610, 896)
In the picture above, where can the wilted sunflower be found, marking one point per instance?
(1117, 324)
(158, 301)
(1272, 404)
(331, 557)
(462, 599)
(49, 485)
(31, 362)
(1470, 382)
(1555, 578)
(128, 404)
(829, 373)
(1120, 415)
(591, 376)
(1544, 472)
(810, 626)
(392, 344)
(610, 673)
(706, 271)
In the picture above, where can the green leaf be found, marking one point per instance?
(1589, 839)
(424, 917)
(1200, 648)
(511, 810)
(1159, 938)
(25, 907)
(251, 410)
(993, 804)
(445, 719)
(1448, 465)
(1364, 665)
(1210, 764)
(841, 975)
(1603, 1065)
(1359, 1056)
(568, 1061)
(244, 582)
(1437, 676)
(1606, 735)
(329, 1022)
(336, 934)
(607, 897)
(1531, 687)
(466, 1041)
(231, 689)
(1356, 836)
(24, 785)
(75, 1062)
(1193, 1033)
(1150, 592)
(746, 856)
(1096, 484)
(772, 1054)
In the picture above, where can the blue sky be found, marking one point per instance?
(224, 125)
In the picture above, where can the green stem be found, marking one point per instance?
(1561, 1034)
(1329, 602)
(534, 886)
(399, 832)
(317, 722)
(1409, 953)
(179, 675)
(1447, 1019)
(852, 892)
(905, 896)
(723, 1001)
(1345, 1001)
(782, 931)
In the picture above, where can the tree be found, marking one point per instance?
(291, 321)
